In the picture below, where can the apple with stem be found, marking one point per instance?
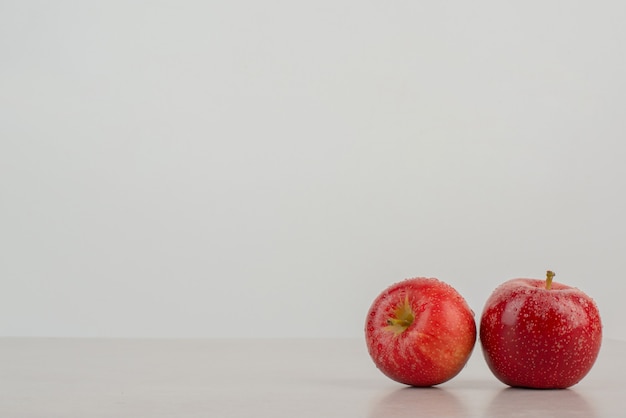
(540, 333)
(420, 332)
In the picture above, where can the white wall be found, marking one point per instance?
(247, 168)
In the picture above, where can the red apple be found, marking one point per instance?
(539, 333)
(420, 332)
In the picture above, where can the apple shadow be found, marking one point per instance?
(419, 402)
(517, 402)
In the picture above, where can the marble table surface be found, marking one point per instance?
(63, 377)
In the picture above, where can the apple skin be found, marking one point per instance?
(540, 338)
(432, 337)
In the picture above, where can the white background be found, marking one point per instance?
(265, 168)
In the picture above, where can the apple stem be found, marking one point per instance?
(399, 322)
(549, 276)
